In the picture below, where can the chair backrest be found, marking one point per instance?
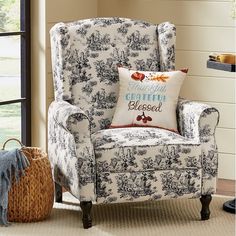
(85, 55)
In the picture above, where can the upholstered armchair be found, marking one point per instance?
(100, 164)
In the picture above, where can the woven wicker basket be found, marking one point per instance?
(31, 198)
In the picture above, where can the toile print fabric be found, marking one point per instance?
(70, 149)
(148, 99)
(86, 54)
(144, 149)
(105, 165)
(148, 185)
(198, 122)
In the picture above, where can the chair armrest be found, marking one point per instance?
(70, 117)
(197, 120)
(70, 149)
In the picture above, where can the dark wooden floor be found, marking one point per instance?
(225, 187)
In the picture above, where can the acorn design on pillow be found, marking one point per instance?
(138, 76)
(144, 118)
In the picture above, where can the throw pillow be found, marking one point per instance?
(148, 98)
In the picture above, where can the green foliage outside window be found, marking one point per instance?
(10, 115)
(9, 15)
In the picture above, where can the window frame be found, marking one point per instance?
(25, 75)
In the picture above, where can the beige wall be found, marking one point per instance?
(38, 73)
(202, 27)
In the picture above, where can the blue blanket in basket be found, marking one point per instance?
(12, 164)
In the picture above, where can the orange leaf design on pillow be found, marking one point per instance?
(160, 78)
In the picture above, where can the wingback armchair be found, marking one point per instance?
(102, 165)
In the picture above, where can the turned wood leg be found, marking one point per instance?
(205, 212)
(86, 210)
(58, 192)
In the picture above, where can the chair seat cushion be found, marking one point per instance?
(144, 149)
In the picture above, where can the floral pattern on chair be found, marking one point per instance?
(198, 121)
(118, 165)
(143, 149)
(85, 66)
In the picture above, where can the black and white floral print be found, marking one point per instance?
(137, 149)
(166, 36)
(131, 164)
(181, 182)
(70, 149)
(85, 56)
(198, 122)
(148, 185)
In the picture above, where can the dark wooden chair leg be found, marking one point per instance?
(205, 212)
(58, 192)
(86, 210)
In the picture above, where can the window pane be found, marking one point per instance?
(9, 15)
(10, 86)
(10, 123)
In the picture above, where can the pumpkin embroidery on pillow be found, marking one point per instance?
(148, 98)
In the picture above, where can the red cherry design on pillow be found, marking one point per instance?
(139, 118)
(138, 76)
(144, 118)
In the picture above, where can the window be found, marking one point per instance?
(15, 86)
